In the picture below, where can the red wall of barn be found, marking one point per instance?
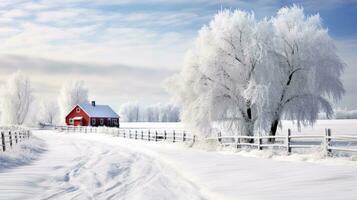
(81, 113)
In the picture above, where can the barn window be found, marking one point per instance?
(71, 121)
(115, 121)
(93, 121)
(78, 110)
(101, 121)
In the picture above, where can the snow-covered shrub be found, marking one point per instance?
(72, 93)
(16, 99)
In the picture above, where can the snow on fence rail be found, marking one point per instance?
(137, 134)
(338, 143)
(11, 136)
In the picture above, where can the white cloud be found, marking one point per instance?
(58, 15)
(131, 46)
(63, 30)
(112, 84)
(15, 13)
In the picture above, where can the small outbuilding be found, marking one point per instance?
(87, 114)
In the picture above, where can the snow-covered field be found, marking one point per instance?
(97, 166)
(339, 127)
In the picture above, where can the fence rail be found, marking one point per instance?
(12, 136)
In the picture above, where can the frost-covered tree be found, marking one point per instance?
(219, 80)
(167, 113)
(152, 113)
(250, 74)
(129, 112)
(305, 69)
(48, 113)
(72, 93)
(16, 99)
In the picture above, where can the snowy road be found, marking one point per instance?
(76, 168)
(97, 166)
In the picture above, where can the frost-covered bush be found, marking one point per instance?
(248, 74)
(72, 93)
(16, 99)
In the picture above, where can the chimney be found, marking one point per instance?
(93, 103)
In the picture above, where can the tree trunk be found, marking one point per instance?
(250, 126)
(273, 129)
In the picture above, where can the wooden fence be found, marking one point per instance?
(136, 134)
(13, 136)
(328, 142)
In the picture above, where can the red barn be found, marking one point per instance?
(92, 115)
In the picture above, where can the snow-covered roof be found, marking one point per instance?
(98, 110)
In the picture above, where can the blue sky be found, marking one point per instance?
(123, 49)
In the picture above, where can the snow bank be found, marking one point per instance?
(22, 154)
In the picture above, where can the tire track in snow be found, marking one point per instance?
(74, 168)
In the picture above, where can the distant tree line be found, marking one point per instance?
(136, 112)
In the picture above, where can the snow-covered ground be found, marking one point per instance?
(78, 166)
(97, 166)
